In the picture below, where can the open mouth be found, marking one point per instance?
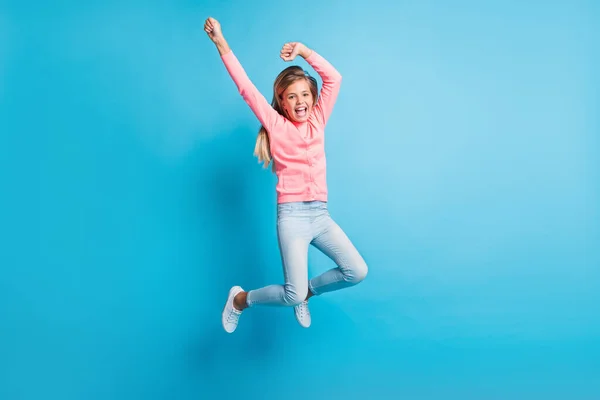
(301, 111)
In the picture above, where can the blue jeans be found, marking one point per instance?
(299, 225)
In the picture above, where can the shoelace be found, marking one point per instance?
(233, 316)
(303, 308)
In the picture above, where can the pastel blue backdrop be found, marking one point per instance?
(463, 162)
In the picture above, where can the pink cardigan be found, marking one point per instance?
(298, 149)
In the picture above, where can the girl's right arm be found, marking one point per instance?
(259, 105)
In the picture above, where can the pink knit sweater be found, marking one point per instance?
(298, 149)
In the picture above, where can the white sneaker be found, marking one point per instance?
(303, 314)
(230, 315)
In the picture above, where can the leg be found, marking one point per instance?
(293, 245)
(351, 267)
(293, 234)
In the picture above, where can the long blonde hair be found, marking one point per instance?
(262, 149)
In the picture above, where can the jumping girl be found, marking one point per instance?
(291, 137)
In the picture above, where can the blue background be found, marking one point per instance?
(463, 162)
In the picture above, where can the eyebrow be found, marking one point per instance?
(304, 91)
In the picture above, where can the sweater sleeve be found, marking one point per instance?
(332, 81)
(259, 105)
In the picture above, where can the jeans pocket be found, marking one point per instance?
(284, 210)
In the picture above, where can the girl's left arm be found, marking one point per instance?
(331, 78)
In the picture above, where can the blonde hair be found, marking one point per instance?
(262, 149)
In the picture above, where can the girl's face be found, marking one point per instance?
(297, 101)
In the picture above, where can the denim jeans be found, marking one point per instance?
(300, 224)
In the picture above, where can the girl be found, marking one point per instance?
(292, 138)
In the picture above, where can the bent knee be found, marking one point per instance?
(358, 272)
(293, 296)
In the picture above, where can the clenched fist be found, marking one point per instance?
(213, 28)
(290, 50)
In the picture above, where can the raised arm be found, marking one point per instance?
(259, 105)
(331, 78)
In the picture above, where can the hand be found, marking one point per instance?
(290, 50)
(213, 29)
